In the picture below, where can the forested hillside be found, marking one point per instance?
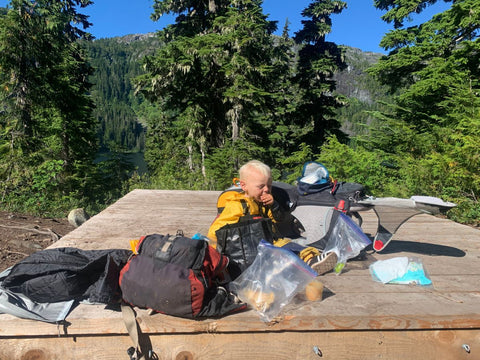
(121, 113)
(217, 88)
(116, 62)
(364, 91)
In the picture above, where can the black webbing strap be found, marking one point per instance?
(246, 211)
(261, 209)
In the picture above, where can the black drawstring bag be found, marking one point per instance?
(239, 240)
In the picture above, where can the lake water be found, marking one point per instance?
(137, 159)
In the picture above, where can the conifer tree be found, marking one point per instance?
(318, 61)
(215, 83)
(286, 130)
(47, 134)
(431, 130)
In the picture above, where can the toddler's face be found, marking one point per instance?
(256, 185)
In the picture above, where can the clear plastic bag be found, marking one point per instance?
(346, 240)
(272, 280)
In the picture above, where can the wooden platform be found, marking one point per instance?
(357, 319)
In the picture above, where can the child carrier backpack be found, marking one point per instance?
(239, 240)
(178, 276)
(315, 177)
(316, 187)
(227, 195)
(284, 194)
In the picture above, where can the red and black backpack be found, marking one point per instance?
(177, 275)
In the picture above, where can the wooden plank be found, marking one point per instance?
(352, 345)
(143, 212)
(354, 307)
(396, 310)
(359, 282)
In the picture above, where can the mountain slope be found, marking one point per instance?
(118, 60)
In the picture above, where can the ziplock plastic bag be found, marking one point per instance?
(272, 280)
(346, 240)
(400, 270)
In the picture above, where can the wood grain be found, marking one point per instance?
(358, 318)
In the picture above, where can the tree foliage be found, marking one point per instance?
(222, 89)
(318, 61)
(118, 111)
(431, 130)
(47, 132)
(211, 79)
(229, 91)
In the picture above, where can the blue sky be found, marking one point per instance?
(359, 25)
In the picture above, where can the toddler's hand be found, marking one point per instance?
(267, 199)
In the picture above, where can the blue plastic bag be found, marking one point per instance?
(400, 270)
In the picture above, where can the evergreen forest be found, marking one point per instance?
(218, 88)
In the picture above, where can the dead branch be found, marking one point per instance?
(54, 236)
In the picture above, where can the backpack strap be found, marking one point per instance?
(138, 351)
(263, 211)
(246, 211)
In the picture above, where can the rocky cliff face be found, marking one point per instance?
(354, 81)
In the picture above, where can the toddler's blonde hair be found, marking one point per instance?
(264, 169)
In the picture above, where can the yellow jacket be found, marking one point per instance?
(232, 212)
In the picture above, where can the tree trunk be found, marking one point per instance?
(212, 7)
(234, 115)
